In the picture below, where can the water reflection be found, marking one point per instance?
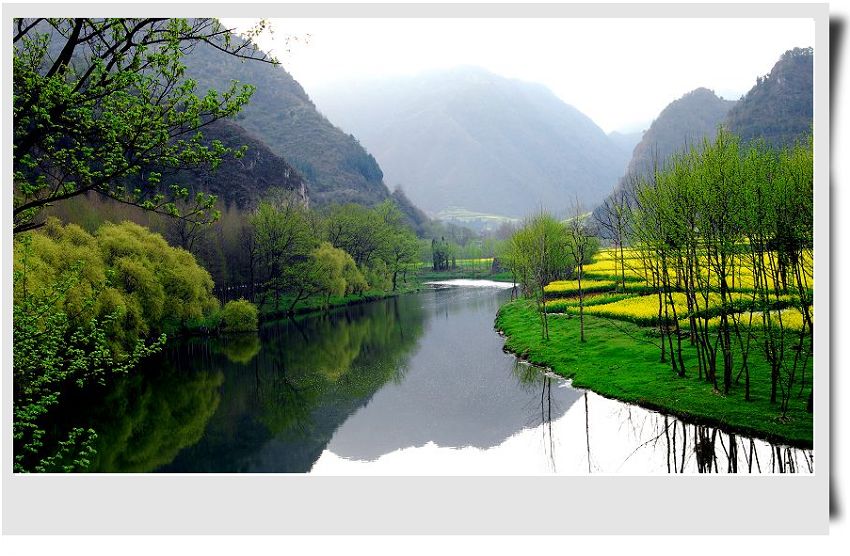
(147, 419)
(460, 390)
(694, 448)
(415, 385)
(280, 408)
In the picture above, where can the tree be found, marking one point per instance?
(581, 245)
(330, 270)
(104, 105)
(239, 315)
(401, 247)
(284, 239)
(538, 253)
(613, 221)
(357, 230)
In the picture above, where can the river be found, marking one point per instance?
(412, 385)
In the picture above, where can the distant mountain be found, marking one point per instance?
(779, 107)
(336, 168)
(470, 139)
(625, 142)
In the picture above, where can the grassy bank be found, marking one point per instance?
(317, 303)
(415, 281)
(621, 360)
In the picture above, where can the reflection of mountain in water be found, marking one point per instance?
(459, 389)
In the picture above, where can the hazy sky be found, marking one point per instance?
(620, 72)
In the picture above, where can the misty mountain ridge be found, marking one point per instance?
(778, 110)
(683, 122)
(280, 115)
(466, 137)
(244, 181)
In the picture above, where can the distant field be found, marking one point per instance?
(464, 215)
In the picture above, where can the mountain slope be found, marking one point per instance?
(280, 114)
(244, 181)
(779, 107)
(468, 138)
(683, 122)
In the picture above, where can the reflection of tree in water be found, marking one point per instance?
(238, 348)
(309, 375)
(534, 379)
(151, 415)
(704, 449)
(342, 356)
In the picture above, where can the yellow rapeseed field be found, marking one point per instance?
(567, 287)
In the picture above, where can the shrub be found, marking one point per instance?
(239, 316)
(124, 271)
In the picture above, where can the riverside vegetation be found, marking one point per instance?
(701, 307)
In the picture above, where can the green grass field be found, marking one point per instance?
(621, 360)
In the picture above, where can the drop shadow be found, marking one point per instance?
(836, 41)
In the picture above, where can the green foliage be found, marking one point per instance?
(355, 282)
(358, 230)
(284, 236)
(330, 271)
(239, 316)
(728, 216)
(54, 351)
(104, 105)
(125, 271)
(538, 252)
(88, 306)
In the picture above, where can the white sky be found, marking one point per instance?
(620, 72)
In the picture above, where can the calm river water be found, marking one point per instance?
(414, 385)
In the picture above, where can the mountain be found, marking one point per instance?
(683, 122)
(468, 139)
(779, 107)
(336, 168)
(244, 181)
(625, 142)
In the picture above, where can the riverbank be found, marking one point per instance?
(415, 282)
(620, 360)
